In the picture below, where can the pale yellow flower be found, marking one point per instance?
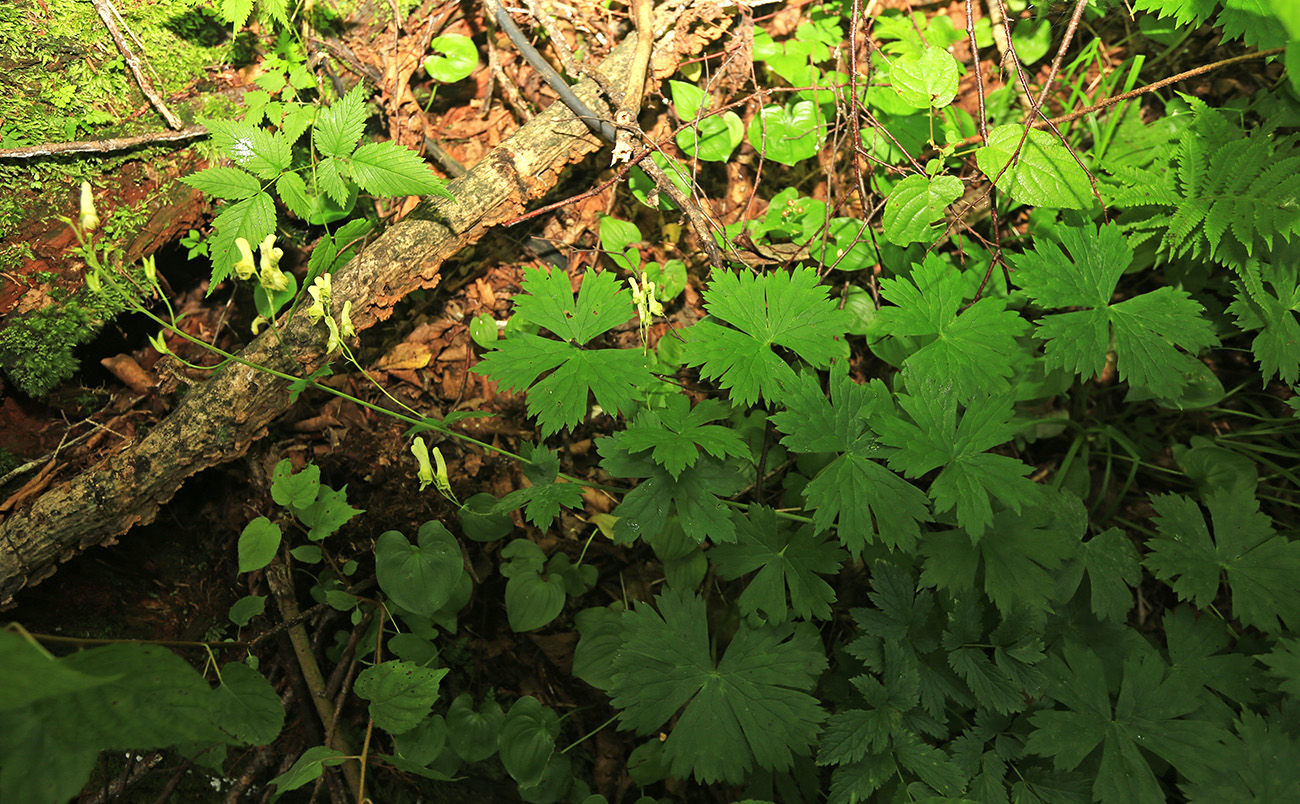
(245, 268)
(89, 218)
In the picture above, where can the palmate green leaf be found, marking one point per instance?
(777, 309)
(616, 377)
(750, 710)
(1260, 763)
(869, 501)
(1250, 20)
(695, 496)
(400, 693)
(1008, 680)
(677, 433)
(1148, 715)
(1044, 173)
(1196, 657)
(785, 558)
(386, 168)
(339, 127)
(1284, 662)
(1016, 559)
(1263, 568)
(972, 349)
(1148, 329)
(971, 477)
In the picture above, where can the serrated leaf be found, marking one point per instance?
(293, 192)
(329, 512)
(928, 80)
(915, 204)
(1113, 568)
(252, 219)
(786, 558)
(339, 127)
(751, 709)
(1044, 173)
(224, 182)
(696, 497)
(1263, 569)
(400, 693)
(775, 310)
(385, 168)
(600, 305)
(676, 434)
(973, 349)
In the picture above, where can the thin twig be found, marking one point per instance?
(99, 146)
(107, 14)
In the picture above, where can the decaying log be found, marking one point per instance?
(218, 420)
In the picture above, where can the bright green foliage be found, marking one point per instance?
(1272, 309)
(1147, 329)
(785, 558)
(972, 349)
(710, 139)
(928, 80)
(915, 204)
(400, 693)
(971, 477)
(615, 376)
(694, 496)
(118, 696)
(1217, 193)
(1043, 174)
(788, 134)
(870, 501)
(1149, 713)
(1262, 568)
(454, 58)
(777, 309)
(419, 577)
(543, 499)
(751, 709)
(677, 433)
(258, 544)
(1249, 20)
(265, 158)
(1017, 558)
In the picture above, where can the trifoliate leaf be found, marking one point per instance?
(1147, 329)
(386, 168)
(1044, 173)
(785, 558)
(677, 433)
(1148, 715)
(750, 710)
(971, 477)
(972, 349)
(1263, 568)
(772, 310)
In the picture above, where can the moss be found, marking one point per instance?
(36, 349)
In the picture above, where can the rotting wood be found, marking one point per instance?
(219, 419)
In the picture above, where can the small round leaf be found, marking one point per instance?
(454, 57)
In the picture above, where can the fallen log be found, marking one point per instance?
(219, 419)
